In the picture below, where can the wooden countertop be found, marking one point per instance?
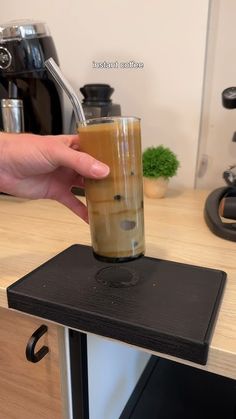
(34, 231)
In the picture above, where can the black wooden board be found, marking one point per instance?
(160, 305)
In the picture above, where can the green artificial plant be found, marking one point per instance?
(159, 162)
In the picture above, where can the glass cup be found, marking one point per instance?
(115, 204)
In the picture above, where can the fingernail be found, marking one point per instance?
(99, 169)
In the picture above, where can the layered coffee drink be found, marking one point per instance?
(115, 204)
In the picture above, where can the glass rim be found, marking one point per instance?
(92, 121)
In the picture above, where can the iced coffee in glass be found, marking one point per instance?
(115, 204)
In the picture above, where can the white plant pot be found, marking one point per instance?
(155, 188)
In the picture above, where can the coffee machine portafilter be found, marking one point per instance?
(30, 100)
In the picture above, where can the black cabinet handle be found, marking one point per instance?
(30, 355)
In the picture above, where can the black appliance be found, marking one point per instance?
(221, 203)
(97, 103)
(30, 99)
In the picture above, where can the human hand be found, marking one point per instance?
(33, 166)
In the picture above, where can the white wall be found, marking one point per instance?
(218, 123)
(168, 36)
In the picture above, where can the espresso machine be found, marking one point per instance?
(30, 101)
(221, 203)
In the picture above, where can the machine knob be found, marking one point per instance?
(5, 58)
(229, 98)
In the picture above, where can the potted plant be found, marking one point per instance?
(159, 165)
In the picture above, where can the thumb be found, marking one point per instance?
(82, 163)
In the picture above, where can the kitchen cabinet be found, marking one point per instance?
(170, 390)
(28, 390)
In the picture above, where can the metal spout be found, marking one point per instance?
(12, 115)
